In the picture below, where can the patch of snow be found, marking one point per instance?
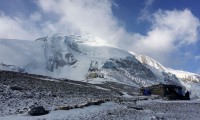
(101, 88)
(126, 95)
(74, 114)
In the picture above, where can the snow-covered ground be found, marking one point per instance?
(141, 110)
(122, 101)
(88, 113)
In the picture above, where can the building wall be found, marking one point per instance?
(158, 91)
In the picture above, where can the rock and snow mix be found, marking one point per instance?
(103, 75)
(69, 100)
(71, 57)
(21, 91)
(189, 81)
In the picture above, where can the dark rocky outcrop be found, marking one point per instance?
(16, 88)
(36, 111)
(89, 103)
(136, 108)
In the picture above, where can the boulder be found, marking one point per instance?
(36, 111)
(136, 108)
(16, 88)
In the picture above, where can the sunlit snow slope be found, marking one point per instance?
(188, 76)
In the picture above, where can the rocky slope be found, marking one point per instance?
(67, 99)
(20, 91)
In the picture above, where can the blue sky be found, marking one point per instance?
(129, 11)
(166, 30)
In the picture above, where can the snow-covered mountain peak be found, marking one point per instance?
(89, 40)
(188, 76)
(74, 57)
(86, 58)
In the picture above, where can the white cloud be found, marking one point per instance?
(170, 31)
(36, 16)
(85, 17)
(72, 17)
(15, 28)
(144, 12)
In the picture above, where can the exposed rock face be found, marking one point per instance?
(129, 65)
(36, 111)
(57, 54)
(60, 60)
(70, 42)
(70, 59)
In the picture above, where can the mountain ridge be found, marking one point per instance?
(91, 60)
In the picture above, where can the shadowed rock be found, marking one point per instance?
(36, 111)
